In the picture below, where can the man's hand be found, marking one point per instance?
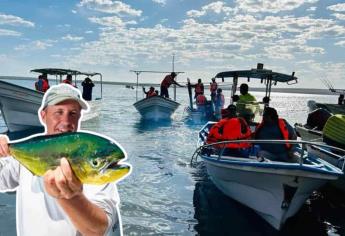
(4, 150)
(61, 182)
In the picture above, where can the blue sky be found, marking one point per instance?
(206, 37)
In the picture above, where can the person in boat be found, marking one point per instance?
(39, 83)
(58, 203)
(198, 88)
(150, 93)
(42, 83)
(219, 102)
(213, 90)
(244, 99)
(87, 88)
(231, 127)
(274, 128)
(166, 82)
(341, 99)
(68, 80)
(201, 101)
(45, 85)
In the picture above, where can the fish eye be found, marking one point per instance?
(95, 163)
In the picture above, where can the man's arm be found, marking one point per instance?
(61, 183)
(9, 167)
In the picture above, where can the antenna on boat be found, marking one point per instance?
(173, 70)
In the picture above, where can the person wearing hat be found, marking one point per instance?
(274, 128)
(231, 127)
(166, 82)
(58, 203)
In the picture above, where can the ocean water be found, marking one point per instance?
(166, 196)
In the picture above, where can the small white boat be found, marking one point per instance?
(275, 190)
(156, 108)
(19, 105)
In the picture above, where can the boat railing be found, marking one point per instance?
(218, 148)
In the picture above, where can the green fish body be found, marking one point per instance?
(93, 159)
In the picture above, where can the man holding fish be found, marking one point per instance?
(62, 201)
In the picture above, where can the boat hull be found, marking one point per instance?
(275, 196)
(19, 107)
(156, 108)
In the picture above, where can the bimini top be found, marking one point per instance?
(258, 74)
(58, 71)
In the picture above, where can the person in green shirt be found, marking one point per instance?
(247, 105)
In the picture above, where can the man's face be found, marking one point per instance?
(62, 117)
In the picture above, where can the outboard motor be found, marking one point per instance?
(318, 118)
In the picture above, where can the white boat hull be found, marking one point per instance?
(19, 107)
(156, 108)
(264, 191)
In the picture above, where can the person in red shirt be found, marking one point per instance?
(150, 93)
(167, 81)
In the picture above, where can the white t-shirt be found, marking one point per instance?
(39, 214)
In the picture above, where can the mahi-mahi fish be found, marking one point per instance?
(93, 158)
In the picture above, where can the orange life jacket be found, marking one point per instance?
(151, 94)
(200, 99)
(230, 129)
(283, 130)
(213, 87)
(199, 88)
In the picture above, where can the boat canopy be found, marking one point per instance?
(268, 77)
(258, 74)
(61, 72)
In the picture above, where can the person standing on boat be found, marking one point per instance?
(87, 88)
(201, 102)
(45, 85)
(39, 83)
(68, 80)
(198, 88)
(58, 203)
(274, 128)
(219, 103)
(231, 127)
(213, 90)
(167, 81)
(243, 100)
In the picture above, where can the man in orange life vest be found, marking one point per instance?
(231, 127)
(198, 88)
(201, 101)
(150, 93)
(167, 81)
(274, 128)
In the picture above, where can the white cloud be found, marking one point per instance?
(15, 21)
(109, 6)
(311, 9)
(337, 7)
(340, 43)
(339, 16)
(5, 32)
(89, 32)
(161, 2)
(215, 7)
(74, 11)
(69, 37)
(273, 6)
(111, 21)
(35, 45)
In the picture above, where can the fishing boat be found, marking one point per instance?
(19, 105)
(275, 190)
(156, 108)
